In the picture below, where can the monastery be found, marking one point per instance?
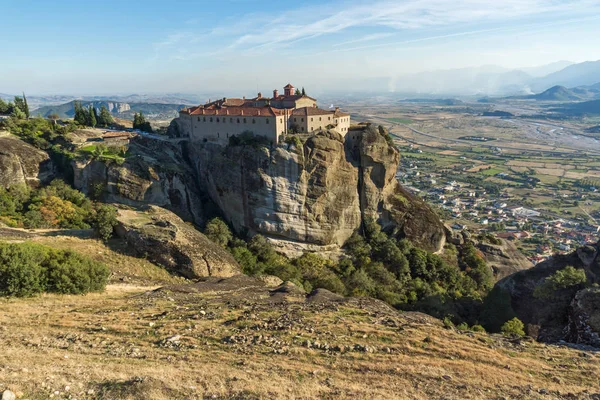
(271, 117)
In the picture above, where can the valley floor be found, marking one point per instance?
(236, 338)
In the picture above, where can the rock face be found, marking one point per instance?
(168, 241)
(560, 317)
(303, 199)
(504, 259)
(22, 163)
(315, 195)
(156, 174)
(584, 318)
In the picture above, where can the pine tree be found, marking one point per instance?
(298, 92)
(3, 107)
(21, 105)
(91, 116)
(105, 119)
(80, 114)
(303, 92)
(25, 106)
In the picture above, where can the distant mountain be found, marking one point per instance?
(117, 109)
(586, 73)
(547, 69)
(556, 93)
(579, 109)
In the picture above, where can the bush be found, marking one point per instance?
(565, 278)
(513, 327)
(218, 231)
(105, 220)
(28, 269)
(478, 328)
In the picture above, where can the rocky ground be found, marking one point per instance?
(239, 338)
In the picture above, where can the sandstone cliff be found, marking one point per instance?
(166, 240)
(316, 195)
(155, 174)
(22, 163)
(309, 198)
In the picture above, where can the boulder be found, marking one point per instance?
(22, 163)
(168, 241)
(504, 259)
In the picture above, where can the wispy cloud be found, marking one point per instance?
(262, 32)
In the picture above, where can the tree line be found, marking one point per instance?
(89, 116)
(17, 109)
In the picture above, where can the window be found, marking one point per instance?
(312, 129)
(311, 120)
(302, 129)
(198, 119)
(267, 119)
(301, 119)
(253, 121)
(203, 119)
(230, 120)
(244, 120)
(238, 120)
(217, 119)
(210, 119)
(294, 119)
(280, 119)
(218, 134)
(319, 118)
(328, 118)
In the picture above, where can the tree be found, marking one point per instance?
(91, 116)
(562, 279)
(514, 327)
(303, 92)
(21, 104)
(104, 119)
(5, 108)
(80, 114)
(25, 106)
(105, 221)
(298, 93)
(53, 117)
(218, 231)
(17, 113)
(139, 122)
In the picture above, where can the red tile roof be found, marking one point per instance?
(307, 111)
(238, 111)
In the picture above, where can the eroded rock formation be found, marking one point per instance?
(22, 163)
(167, 240)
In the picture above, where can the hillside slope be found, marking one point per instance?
(239, 339)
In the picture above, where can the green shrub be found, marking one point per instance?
(448, 324)
(27, 269)
(463, 326)
(104, 221)
(218, 231)
(513, 327)
(478, 328)
(562, 279)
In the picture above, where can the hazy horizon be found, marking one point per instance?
(240, 46)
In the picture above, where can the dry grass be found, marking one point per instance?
(111, 346)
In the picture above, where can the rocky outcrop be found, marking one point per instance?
(166, 240)
(584, 318)
(22, 163)
(155, 174)
(310, 198)
(549, 318)
(316, 195)
(503, 258)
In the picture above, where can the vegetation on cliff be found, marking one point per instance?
(54, 206)
(376, 265)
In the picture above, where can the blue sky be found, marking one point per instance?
(234, 46)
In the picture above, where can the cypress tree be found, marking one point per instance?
(303, 92)
(25, 106)
(91, 116)
(105, 119)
